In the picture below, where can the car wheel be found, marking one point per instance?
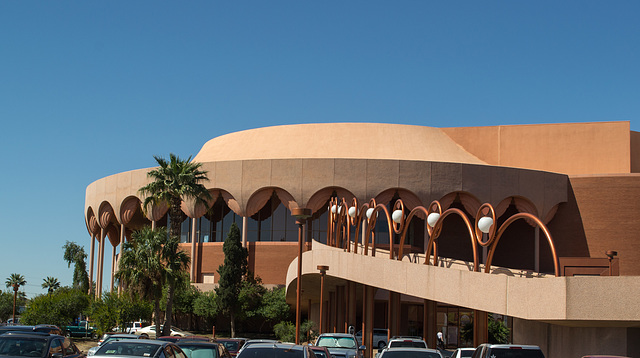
(94, 335)
(381, 345)
(67, 334)
(145, 335)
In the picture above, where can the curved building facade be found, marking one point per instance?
(581, 180)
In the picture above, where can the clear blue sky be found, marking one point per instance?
(94, 88)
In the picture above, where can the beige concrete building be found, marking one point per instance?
(577, 182)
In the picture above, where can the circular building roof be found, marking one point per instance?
(337, 140)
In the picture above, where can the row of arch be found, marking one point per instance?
(104, 223)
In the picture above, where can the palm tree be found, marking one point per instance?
(141, 267)
(176, 262)
(174, 181)
(15, 281)
(51, 284)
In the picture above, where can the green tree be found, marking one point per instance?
(274, 307)
(60, 307)
(74, 254)
(498, 331)
(184, 299)
(232, 272)
(141, 269)
(6, 305)
(50, 284)
(206, 305)
(176, 263)
(172, 182)
(15, 281)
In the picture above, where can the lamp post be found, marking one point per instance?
(323, 271)
(301, 214)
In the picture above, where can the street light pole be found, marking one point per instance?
(301, 214)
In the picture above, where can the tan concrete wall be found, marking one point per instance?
(570, 148)
(561, 341)
(609, 207)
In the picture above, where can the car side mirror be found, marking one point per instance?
(362, 348)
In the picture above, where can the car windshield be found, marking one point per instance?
(122, 348)
(410, 354)
(271, 352)
(195, 351)
(22, 347)
(336, 342)
(231, 346)
(516, 353)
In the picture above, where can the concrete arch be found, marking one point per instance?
(522, 204)
(92, 223)
(128, 208)
(106, 215)
(469, 201)
(260, 197)
(320, 197)
(409, 198)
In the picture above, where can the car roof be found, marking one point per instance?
(523, 346)
(275, 345)
(196, 343)
(409, 349)
(141, 341)
(336, 335)
(123, 335)
(29, 334)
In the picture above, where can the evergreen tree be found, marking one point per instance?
(232, 273)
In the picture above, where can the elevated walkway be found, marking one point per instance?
(572, 301)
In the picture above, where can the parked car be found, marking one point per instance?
(407, 342)
(380, 336)
(150, 331)
(320, 352)
(233, 345)
(487, 350)
(82, 329)
(44, 328)
(463, 353)
(256, 341)
(340, 345)
(37, 345)
(201, 349)
(176, 339)
(113, 337)
(276, 350)
(140, 348)
(135, 326)
(408, 352)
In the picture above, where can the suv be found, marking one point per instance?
(276, 350)
(340, 345)
(379, 338)
(487, 350)
(407, 342)
(37, 344)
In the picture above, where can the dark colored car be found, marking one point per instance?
(276, 350)
(233, 345)
(176, 339)
(140, 348)
(250, 342)
(195, 349)
(44, 328)
(37, 344)
(320, 352)
(111, 338)
(340, 345)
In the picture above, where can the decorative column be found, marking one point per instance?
(122, 236)
(429, 322)
(323, 270)
(192, 273)
(91, 259)
(480, 327)
(113, 267)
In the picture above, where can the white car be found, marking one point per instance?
(407, 342)
(379, 338)
(463, 353)
(406, 352)
(150, 332)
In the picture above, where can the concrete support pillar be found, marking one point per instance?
(351, 303)
(244, 231)
(429, 329)
(91, 260)
(393, 314)
(122, 238)
(113, 268)
(480, 327)
(367, 321)
(341, 305)
(194, 261)
(332, 312)
(153, 224)
(537, 249)
(103, 237)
